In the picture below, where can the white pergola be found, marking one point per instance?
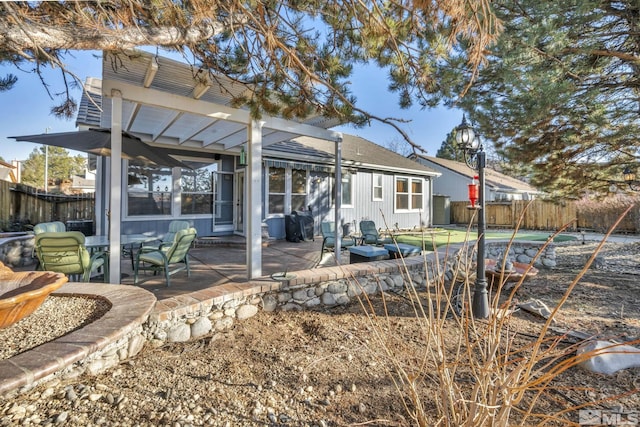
(169, 104)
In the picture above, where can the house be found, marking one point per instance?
(83, 184)
(298, 174)
(243, 172)
(455, 177)
(377, 184)
(8, 172)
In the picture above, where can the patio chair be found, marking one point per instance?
(370, 235)
(328, 230)
(167, 239)
(55, 226)
(65, 252)
(161, 259)
(174, 227)
(43, 227)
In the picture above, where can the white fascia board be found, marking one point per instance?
(165, 100)
(394, 169)
(301, 129)
(185, 104)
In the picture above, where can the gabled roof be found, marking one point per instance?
(356, 152)
(170, 104)
(495, 180)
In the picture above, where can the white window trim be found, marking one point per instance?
(351, 183)
(125, 202)
(374, 178)
(409, 194)
(217, 193)
(288, 192)
(268, 193)
(306, 188)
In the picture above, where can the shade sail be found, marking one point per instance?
(98, 142)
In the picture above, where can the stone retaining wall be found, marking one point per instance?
(347, 283)
(188, 322)
(523, 252)
(17, 250)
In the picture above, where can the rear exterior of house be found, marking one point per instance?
(377, 184)
(298, 175)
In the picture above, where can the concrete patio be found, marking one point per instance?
(217, 261)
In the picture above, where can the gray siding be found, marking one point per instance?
(381, 212)
(364, 207)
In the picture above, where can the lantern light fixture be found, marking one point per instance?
(469, 142)
(629, 177)
(242, 162)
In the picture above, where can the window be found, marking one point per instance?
(377, 187)
(198, 190)
(298, 190)
(149, 190)
(287, 190)
(409, 194)
(277, 190)
(347, 189)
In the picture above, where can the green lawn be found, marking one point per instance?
(442, 237)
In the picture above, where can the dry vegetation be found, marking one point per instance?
(410, 360)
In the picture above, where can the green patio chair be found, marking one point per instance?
(174, 227)
(55, 226)
(163, 258)
(328, 230)
(65, 252)
(167, 239)
(370, 235)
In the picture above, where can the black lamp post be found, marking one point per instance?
(630, 178)
(475, 158)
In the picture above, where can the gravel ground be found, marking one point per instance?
(57, 316)
(324, 368)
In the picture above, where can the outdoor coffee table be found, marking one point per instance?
(367, 253)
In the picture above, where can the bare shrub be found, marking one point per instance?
(485, 372)
(600, 215)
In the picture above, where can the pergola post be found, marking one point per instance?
(115, 200)
(253, 210)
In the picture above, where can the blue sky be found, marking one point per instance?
(26, 109)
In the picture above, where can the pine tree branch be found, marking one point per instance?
(99, 38)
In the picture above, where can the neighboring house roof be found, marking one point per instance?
(495, 180)
(356, 152)
(82, 183)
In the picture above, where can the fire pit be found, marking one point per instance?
(23, 292)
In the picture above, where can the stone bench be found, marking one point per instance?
(367, 253)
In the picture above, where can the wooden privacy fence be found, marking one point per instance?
(21, 205)
(538, 214)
